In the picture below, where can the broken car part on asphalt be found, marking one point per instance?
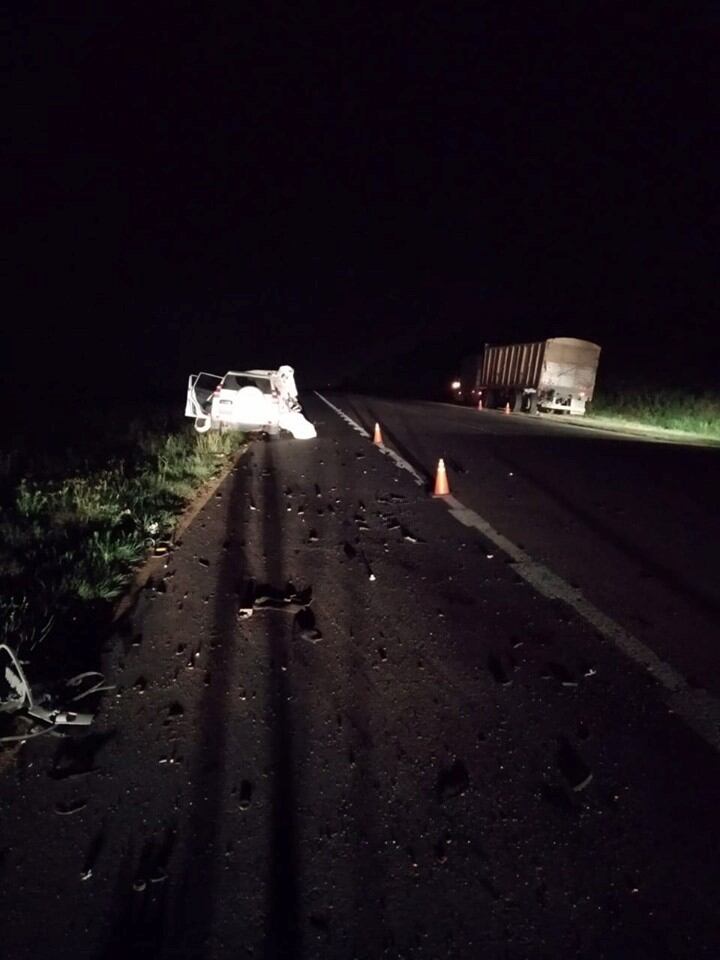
(16, 697)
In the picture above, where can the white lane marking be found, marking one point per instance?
(699, 709)
(395, 457)
(344, 416)
(403, 464)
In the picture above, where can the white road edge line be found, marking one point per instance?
(395, 457)
(698, 708)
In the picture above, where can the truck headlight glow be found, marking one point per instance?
(455, 385)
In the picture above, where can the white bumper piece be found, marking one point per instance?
(299, 426)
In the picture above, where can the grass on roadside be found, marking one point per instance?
(669, 410)
(69, 544)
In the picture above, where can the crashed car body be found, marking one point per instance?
(250, 400)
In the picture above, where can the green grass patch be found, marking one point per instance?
(669, 410)
(75, 524)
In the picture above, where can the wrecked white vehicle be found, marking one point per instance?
(250, 400)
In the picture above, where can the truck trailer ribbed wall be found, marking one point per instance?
(552, 375)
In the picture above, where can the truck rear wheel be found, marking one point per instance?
(530, 403)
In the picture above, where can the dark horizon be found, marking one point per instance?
(361, 193)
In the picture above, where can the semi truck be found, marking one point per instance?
(550, 376)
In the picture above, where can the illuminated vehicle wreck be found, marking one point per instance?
(250, 400)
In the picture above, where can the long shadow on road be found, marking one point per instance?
(147, 927)
(282, 934)
(197, 903)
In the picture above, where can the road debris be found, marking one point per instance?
(304, 626)
(68, 807)
(266, 597)
(573, 768)
(86, 680)
(245, 794)
(16, 697)
(560, 672)
(410, 537)
(498, 671)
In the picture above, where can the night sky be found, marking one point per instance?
(364, 193)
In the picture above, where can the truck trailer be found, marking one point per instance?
(551, 376)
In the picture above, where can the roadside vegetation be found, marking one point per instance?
(74, 523)
(670, 410)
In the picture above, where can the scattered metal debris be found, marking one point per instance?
(98, 687)
(16, 697)
(289, 599)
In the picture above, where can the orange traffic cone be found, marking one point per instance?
(480, 404)
(507, 408)
(441, 481)
(377, 436)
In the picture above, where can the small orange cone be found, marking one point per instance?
(377, 436)
(441, 481)
(480, 404)
(507, 408)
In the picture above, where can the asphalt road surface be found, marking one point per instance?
(476, 729)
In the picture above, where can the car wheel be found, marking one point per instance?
(203, 424)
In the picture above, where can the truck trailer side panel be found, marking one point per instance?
(553, 375)
(518, 365)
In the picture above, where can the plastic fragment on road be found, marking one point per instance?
(67, 808)
(295, 422)
(572, 766)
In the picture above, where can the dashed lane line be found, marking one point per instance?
(395, 457)
(699, 709)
